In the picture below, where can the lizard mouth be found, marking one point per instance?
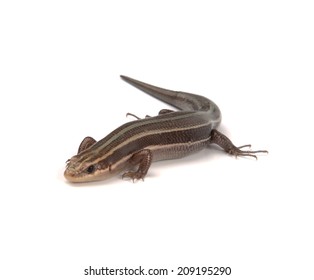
(70, 174)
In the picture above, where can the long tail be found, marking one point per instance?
(178, 99)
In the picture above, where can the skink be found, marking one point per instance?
(131, 148)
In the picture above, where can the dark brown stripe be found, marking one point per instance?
(166, 138)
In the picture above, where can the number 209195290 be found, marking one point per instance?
(203, 270)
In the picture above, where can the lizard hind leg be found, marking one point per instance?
(225, 143)
(161, 112)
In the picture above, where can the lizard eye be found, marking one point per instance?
(90, 169)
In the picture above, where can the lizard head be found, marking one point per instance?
(88, 166)
(79, 168)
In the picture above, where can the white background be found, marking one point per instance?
(60, 63)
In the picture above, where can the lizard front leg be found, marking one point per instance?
(143, 159)
(86, 143)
